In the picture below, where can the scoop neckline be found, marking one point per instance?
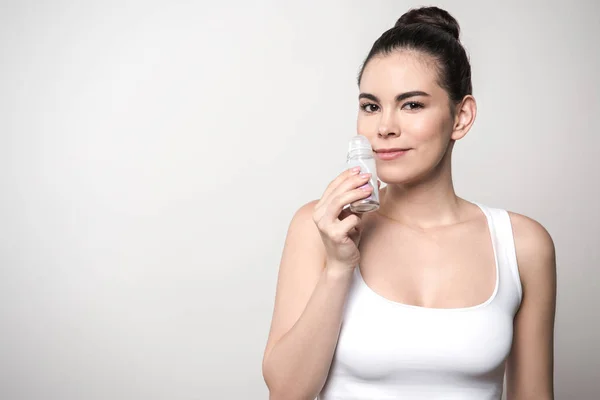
(491, 231)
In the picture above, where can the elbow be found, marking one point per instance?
(287, 396)
(282, 389)
(271, 381)
(279, 390)
(286, 393)
(282, 386)
(276, 391)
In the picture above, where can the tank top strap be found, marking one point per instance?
(510, 290)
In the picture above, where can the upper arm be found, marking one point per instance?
(302, 262)
(530, 364)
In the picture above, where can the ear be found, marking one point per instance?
(465, 115)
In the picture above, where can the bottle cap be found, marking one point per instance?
(359, 145)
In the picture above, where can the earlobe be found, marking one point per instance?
(465, 117)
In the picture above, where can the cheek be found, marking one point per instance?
(431, 138)
(424, 129)
(367, 126)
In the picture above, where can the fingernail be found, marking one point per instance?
(366, 187)
(366, 175)
(355, 170)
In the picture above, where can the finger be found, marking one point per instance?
(355, 234)
(351, 183)
(334, 208)
(336, 182)
(344, 227)
(358, 226)
(346, 212)
(350, 180)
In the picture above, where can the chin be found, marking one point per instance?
(396, 177)
(400, 175)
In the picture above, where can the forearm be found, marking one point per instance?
(297, 366)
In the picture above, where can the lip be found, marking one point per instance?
(390, 154)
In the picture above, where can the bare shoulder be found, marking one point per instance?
(303, 240)
(305, 212)
(534, 247)
(302, 225)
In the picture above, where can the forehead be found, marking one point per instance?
(400, 71)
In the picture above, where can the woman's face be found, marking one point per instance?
(403, 107)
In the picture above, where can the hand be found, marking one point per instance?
(340, 229)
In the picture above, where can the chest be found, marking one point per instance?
(448, 268)
(398, 343)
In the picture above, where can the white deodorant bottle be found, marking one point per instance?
(360, 154)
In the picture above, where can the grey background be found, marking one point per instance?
(152, 154)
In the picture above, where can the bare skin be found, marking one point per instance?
(446, 266)
(425, 246)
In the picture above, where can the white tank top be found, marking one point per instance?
(389, 350)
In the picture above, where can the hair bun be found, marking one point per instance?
(432, 16)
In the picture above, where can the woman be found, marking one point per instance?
(430, 296)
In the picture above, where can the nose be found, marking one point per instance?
(388, 126)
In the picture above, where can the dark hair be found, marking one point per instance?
(434, 32)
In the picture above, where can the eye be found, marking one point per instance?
(412, 105)
(369, 107)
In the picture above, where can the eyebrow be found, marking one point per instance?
(399, 98)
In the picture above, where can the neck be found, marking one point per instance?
(429, 203)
